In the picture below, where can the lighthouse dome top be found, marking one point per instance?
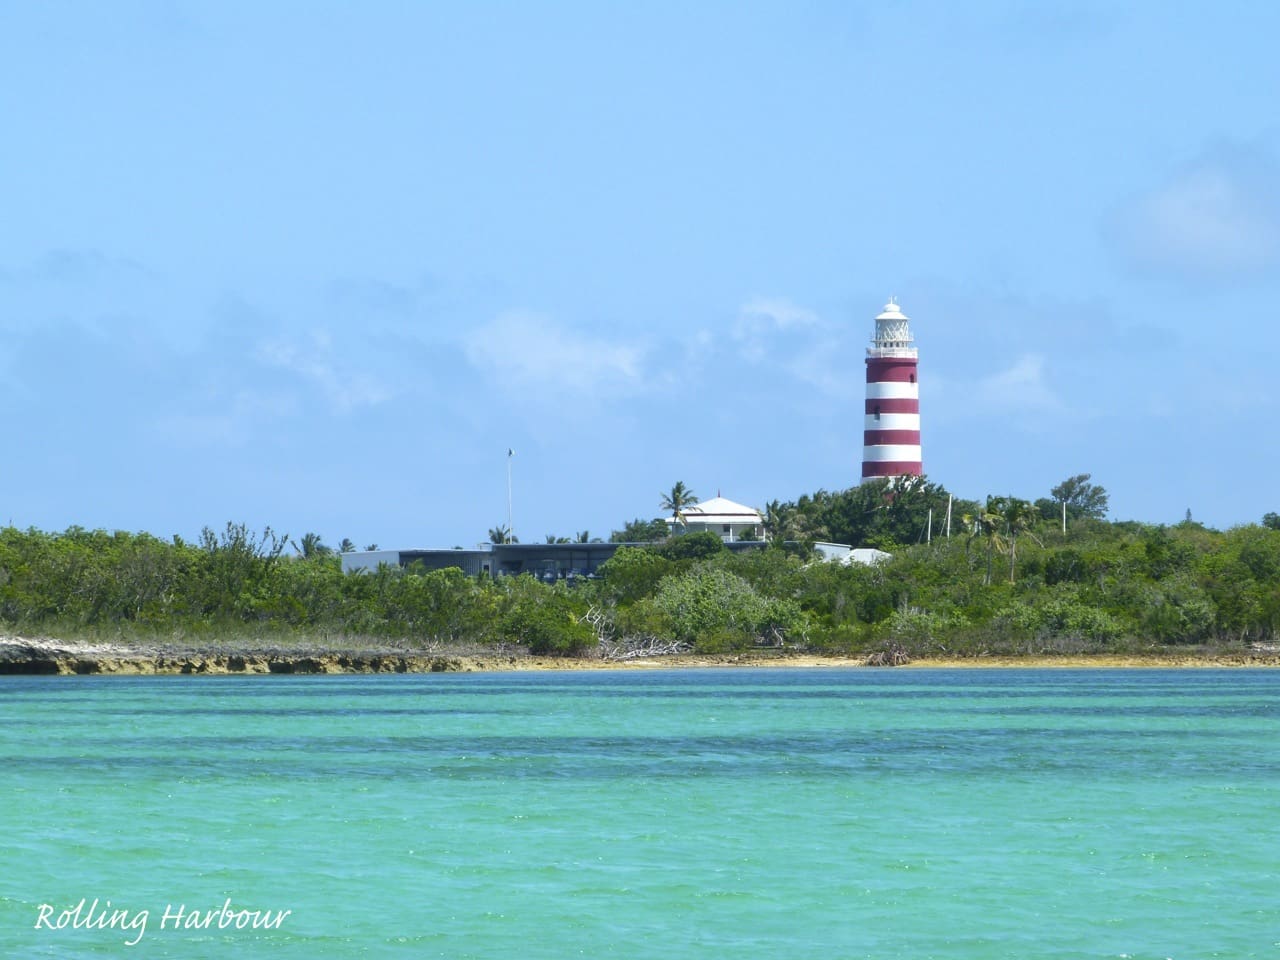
(892, 311)
(893, 333)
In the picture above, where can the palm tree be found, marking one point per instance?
(1018, 515)
(311, 547)
(552, 538)
(1001, 522)
(501, 534)
(779, 521)
(584, 536)
(986, 524)
(677, 500)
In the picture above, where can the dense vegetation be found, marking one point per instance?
(1008, 579)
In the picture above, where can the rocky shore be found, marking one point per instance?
(39, 656)
(50, 657)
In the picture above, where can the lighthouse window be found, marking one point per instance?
(877, 411)
(913, 378)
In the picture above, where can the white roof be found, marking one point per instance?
(868, 556)
(892, 311)
(722, 510)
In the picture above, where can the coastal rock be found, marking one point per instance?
(48, 657)
(25, 658)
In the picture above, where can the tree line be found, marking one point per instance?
(1010, 576)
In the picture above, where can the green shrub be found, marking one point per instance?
(710, 601)
(633, 572)
(692, 546)
(544, 619)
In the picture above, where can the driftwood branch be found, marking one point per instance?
(635, 648)
(892, 656)
(616, 648)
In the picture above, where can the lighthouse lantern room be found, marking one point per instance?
(891, 434)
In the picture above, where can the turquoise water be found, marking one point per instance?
(704, 813)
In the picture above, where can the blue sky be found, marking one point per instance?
(319, 266)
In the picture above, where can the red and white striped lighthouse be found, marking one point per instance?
(891, 436)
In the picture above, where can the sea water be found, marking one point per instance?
(643, 814)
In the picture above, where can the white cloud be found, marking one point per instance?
(226, 420)
(761, 317)
(1021, 390)
(1218, 218)
(822, 366)
(345, 390)
(528, 350)
(778, 312)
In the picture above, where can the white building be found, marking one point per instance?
(728, 520)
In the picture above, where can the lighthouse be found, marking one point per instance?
(891, 434)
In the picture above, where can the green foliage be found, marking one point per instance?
(640, 531)
(544, 619)
(427, 605)
(634, 572)
(1242, 579)
(1083, 500)
(233, 570)
(881, 512)
(835, 595)
(780, 522)
(1065, 566)
(679, 498)
(311, 547)
(1061, 617)
(709, 602)
(1103, 586)
(691, 546)
(774, 572)
(1165, 553)
(1176, 611)
(920, 630)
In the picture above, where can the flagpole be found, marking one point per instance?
(511, 524)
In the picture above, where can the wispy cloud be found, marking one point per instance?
(1021, 394)
(312, 359)
(225, 421)
(524, 349)
(71, 266)
(1021, 390)
(761, 318)
(1217, 219)
(829, 366)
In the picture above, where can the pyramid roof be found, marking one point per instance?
(723, 510)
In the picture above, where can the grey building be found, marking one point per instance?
(547, 561)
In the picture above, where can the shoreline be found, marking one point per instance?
(20, 656)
